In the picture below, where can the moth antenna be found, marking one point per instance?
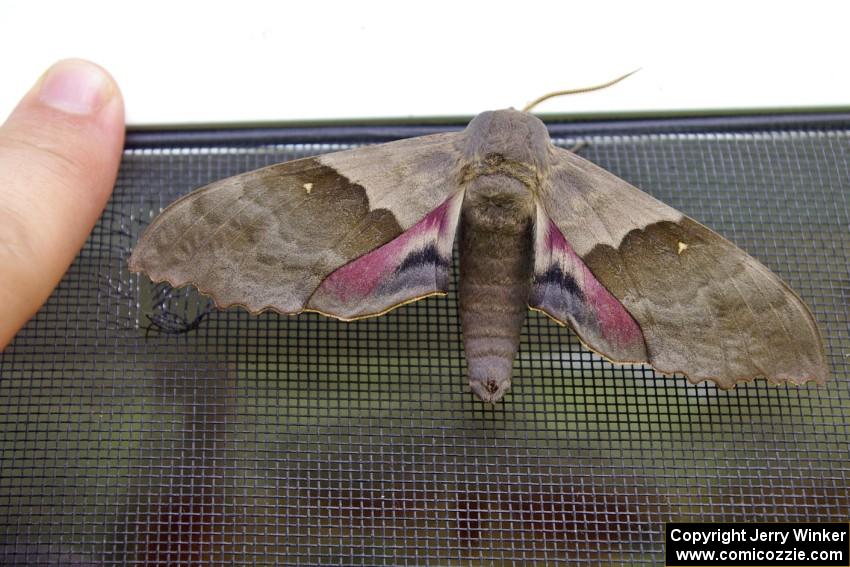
(579, 90)
(578, 146)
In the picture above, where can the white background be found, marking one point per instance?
(237, 62)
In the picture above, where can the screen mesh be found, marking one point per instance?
(142, 426)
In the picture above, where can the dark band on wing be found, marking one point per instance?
(418, 265)
(557, 277)
(428, 256)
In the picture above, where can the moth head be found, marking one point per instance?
(518, 137)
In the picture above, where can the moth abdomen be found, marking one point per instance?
(496, 248)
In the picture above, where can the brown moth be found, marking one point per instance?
(360, 232)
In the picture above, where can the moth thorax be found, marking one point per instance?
(498, 203)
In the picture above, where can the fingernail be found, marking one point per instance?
(75, 86)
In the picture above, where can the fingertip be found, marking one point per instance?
(59, 155)
(76, 86)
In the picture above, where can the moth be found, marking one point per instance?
(358, 233)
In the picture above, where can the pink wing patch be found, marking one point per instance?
(413, 265)
(566, 290)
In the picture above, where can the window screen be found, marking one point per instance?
(141, 426)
